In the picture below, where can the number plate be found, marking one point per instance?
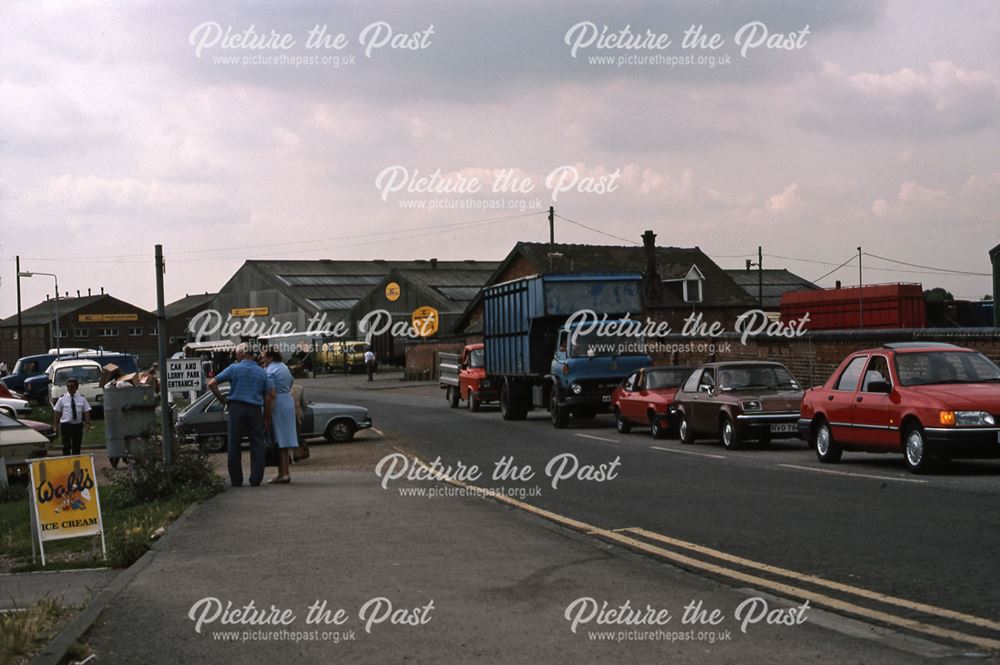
(783, 427)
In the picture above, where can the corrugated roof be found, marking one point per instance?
(777, 282)
(44, 311)
(187, 303)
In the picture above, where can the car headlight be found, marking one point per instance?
(970, 418)
(750, 405)
(576, 388)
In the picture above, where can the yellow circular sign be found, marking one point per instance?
(425, 321)
(392, 291)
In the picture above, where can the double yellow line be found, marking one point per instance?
(625, 537)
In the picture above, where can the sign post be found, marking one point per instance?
(64, 500)
(185, 375)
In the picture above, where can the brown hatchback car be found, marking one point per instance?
(736, 401)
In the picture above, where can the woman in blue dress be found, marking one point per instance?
(283, 413)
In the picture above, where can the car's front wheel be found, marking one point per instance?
(473, 401)
(918, 458)
(656, 430)
(621, 424)
(827, 450)
(729, 436)
(213, 444)
(339, 431)
(684, 430)
(451, 394)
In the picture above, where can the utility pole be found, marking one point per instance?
(861, 294)
(760, 275)
(161, 345)
(20, 331)
(552, 225)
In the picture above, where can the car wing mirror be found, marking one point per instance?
(883, 387)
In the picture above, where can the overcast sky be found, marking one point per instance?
(125, 125)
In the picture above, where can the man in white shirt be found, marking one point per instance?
(69, 414)
(370, 363)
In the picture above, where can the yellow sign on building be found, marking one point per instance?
(425, 321)
(65, 502)
(249, 311)
(107, 318)
(392, 291)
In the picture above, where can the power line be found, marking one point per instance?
(835, 269)
(942, 270)
(590, 228)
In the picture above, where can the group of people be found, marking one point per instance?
(264, 404)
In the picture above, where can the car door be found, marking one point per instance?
(840, 402)
(871, 412)
(625, 401)
(706, 413)
(214, 420)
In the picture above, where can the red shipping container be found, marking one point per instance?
(881, 306)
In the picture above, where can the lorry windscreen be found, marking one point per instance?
(477, 358)
(593, 344)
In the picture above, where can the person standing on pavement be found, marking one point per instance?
(250, 401)
(299, 397)
(283, 414)
(370, 363)
(69, 414)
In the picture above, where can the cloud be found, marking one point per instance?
(942, 99)
(785, 200)
(911, 194)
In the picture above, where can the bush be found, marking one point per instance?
(128, 542)
(148, 478)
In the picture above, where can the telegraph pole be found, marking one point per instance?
(20, 331)
(552, 225)
(760, 275)
(861, 294)
(161, 344)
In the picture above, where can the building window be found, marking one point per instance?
(693, 285)
(108, 332)
(62, 334)
(81, 333)
(178, 340)
(135, 332)
(152, 332)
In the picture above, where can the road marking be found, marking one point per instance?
(852, 475)
(819, 581)
(688, 452)
(598, 438)
(779, 587)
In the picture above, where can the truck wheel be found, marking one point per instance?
(452, 396)
(507, 408)
(473, 402)
(558, 414)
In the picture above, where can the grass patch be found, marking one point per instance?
(135, 502)
(23, 633)
(92, 438)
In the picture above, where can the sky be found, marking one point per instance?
(805, 128)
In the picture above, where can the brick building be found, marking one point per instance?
(179, 314)
(97, 321)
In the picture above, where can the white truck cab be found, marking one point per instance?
(86, 372)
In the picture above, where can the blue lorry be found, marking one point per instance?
(537, 360)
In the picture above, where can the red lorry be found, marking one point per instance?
(463, 377)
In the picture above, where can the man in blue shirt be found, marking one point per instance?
(250, 400)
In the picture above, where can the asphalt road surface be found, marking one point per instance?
(855, 532)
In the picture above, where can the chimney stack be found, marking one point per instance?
(653, 286)
(102, 290)
(88, 291)
(78, 293)
(434, 263)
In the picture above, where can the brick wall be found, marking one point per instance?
(422, 357)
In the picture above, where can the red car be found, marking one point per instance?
(928, 401)
(646, 396)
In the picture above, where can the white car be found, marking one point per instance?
(86, 372)
(14, 407)
(19, 443)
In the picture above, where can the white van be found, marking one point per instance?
(86, 372)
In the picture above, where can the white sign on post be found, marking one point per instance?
(185, 375)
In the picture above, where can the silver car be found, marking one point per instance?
(204, 421)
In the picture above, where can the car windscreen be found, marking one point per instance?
(593, 344)
(7, 421)
(477, 358)
(755, 377)
(82, 373)
(923, 368)
(665, 378)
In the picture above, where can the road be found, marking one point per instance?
(850, 532)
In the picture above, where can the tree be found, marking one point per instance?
(937, 294)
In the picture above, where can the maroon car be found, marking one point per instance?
(736, 401)
(646, 397)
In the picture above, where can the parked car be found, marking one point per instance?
(204, 421)
(348, 356)
(19, 443)
(736, 401)
(25, 368)
(37, 387)
(14, 407)
(86, 372)
(930, 402)
(45, 429)
(463, 377)
(646, 397)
